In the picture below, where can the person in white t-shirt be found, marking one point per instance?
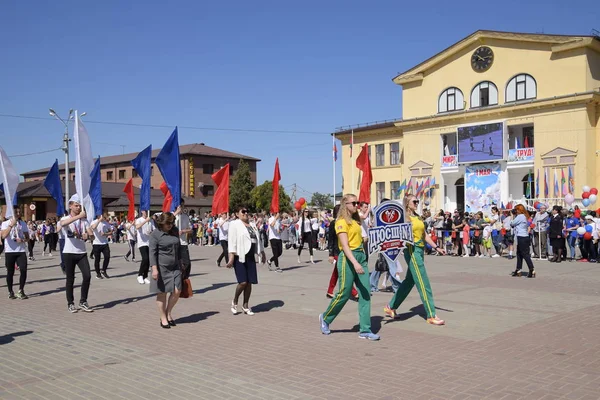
(131, 239)
(182, 222)
(102, 231)
(15, 235)
(144, 227)
(275, 240)
(77, 231)
(223, 226)
(305, 234)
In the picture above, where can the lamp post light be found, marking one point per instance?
(65, 148)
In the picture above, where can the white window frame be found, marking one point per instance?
(451, 99)
(492, 94)
(520, 87)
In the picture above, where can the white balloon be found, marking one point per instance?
(586, 188)
(581, 230)
(593, 198)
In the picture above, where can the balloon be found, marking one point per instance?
(426, 202)
(586, 188)
(581, 230)
(587, 236)
(586, 202)
(532, 226)
(585, 195)
(593, 198)
(304, 206)
(302, 200)
(569, 198)
(298, 206)
(594, 191)
(589, 228)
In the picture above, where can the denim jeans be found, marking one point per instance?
(393, 269)
(571, 241)
(374, 280)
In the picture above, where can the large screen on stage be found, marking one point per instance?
(479, 143)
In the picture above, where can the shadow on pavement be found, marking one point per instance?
(128, 300)
(296, 267)
(53, 291)
(268, 306)
(375, 326)
(5, 339)
(190, 319)
(214, 286)
(415, 311)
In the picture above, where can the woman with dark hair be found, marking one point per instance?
(414, 257)
(167, 270)
(334, 251)
(556, 234)
(305, 234)
(244, 244)
(520, 225)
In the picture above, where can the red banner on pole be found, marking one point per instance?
(129, 190)
(168, 198)
(275, 197)
(364, 164)
(221, 198)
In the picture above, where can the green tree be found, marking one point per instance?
(262, 194)
(320, 200)
(240, 187)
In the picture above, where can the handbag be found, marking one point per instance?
(381, 264)
(186, 289)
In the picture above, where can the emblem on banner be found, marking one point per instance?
(390, 233)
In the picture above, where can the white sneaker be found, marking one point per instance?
(465, 256)
(140, 280)
(495, 256)
(299, 262)
(147, 281)
(482, 256)
(43, 254)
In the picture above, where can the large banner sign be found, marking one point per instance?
(482, 187)
(478, 143)
(390, 233)
(526, 154)
(449, 161)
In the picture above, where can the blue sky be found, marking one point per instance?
(262, 65)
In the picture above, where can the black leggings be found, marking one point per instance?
(145, 264)
(277, 248)
(131, 249)
(80, 260)
(21, 260)
(306, 238)
(224, 253)
(103, 249)
(524, 252)
(47, 242)
(30, 244)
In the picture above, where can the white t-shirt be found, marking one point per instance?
(143, 234)
(223, 229)
(102, 227)
(314, 224)
(307, 227)
(19, 230)
(274, 231)
(72, 233)
(182, 222)
(131, 232)
(364, 227)
(487, 232)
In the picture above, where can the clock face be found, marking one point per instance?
(482, 59)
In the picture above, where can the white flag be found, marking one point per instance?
(84, 164)
(446, 150)
(10, 180)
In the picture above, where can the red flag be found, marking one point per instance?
(276, 179)
(129, 190)
(168, 198)
(220, 202)
(526, 142)
(364, 164)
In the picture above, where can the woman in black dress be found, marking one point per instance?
(165, 259)
(556, 234)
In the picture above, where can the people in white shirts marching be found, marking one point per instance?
(15, 234)
(102, 231)
(76, 231)
(182, 222)
(144, 226)
(131, 234)
(47, 235)
(31, 242)
(275, 241)
(305, 234)
(223, 226)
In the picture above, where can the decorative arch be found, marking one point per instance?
(520, 87)
(484, 94)
(451, 99)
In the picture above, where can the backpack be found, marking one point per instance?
(381, 264)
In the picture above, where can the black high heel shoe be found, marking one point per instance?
(171, 322)
(531, 274)
(167, 326)
(516, 273)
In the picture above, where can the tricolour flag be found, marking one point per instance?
(537, 184)
(96, 188)
(563, 182)
(10, 181)
(571, 181)
(169, 164)
(275, 195)
(409, 186)
(334, 152)
(529, 181)
(364, 164)
(546, 187)
(517, 143)
(84, 164)
(220, 202)
(54, 187)
(556, 193)
(142, 164)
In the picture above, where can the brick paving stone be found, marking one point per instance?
(506, 338)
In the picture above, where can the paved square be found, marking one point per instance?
(505, 338)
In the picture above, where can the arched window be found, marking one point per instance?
(451, 99)
(484, 94)
(521, 87)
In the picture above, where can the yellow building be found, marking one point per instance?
(497, 104)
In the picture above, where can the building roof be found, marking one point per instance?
(199, 149)
(561, 42)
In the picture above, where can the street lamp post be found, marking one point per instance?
(65, 148)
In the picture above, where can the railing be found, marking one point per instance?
(556, 201)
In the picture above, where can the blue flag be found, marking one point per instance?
(142, 165)
(96, 188)
(15, 195)
(169, 165)
(54, 187)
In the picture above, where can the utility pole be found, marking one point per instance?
(294, 193)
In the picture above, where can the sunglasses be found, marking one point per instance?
(354, 203)
(415, 201)
(244, 211)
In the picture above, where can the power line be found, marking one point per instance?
(171, 126)
(33, 154)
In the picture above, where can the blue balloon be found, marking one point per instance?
(586, 202)
(589, 228)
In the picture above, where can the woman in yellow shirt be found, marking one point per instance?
(413, 255)
(352, 268)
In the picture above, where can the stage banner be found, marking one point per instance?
(482, 187)
(449, 161)
(526, 154)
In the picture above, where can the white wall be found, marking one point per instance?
(515, 182)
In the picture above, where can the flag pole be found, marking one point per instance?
(352, 155)
(334, 157)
